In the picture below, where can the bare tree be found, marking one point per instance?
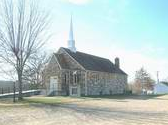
(143, 81)
(33, 71)
(22, 34)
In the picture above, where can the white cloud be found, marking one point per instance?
(78, 2)
(132, 61)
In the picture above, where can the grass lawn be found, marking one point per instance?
(43, 100)
(53, 100)
(127, 96)
(92, 110)
(66, 99)
(8, 102)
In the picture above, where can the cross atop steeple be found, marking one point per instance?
(71, 41)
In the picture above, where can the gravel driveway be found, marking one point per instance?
(152, 111)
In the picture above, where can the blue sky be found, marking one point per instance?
(133, 30)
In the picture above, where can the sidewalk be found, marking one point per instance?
(26, 93)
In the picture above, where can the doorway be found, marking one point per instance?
(53, 84)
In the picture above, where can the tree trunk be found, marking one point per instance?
(20, 97)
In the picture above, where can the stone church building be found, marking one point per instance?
(74, 73)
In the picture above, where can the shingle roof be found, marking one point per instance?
(94, 63)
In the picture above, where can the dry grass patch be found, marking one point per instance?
(133, 110)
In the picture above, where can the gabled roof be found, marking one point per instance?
(94, 63)
(61, 61)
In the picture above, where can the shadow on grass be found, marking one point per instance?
(55, 100)
(70, 100)
(103, 113)
(127, 96)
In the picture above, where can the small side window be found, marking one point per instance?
(97, 79)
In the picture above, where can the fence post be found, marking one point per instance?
(14, 90)
(8, 89)
(2, 91)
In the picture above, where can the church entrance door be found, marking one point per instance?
(53, 84)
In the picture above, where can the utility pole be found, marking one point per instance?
(157, 77)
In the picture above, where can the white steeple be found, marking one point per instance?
(71, 41)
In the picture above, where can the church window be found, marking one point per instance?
(75, 78)
(97, 78)
(65, 78)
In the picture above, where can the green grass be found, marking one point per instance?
(63, 100)
(124, 96)
(43, 100)
(51, 100)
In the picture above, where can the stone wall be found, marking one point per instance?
(68, 80)
(52, 69)
(105, 83)
(97, 82)
(68, 73)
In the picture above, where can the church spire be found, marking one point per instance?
(71, 41)
(71, 30)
